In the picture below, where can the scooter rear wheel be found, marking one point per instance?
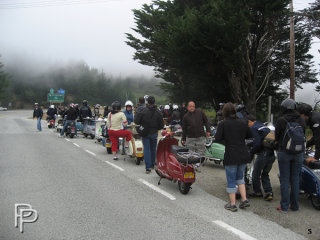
(315, 202)
(138, 160)
(184, 188)
(109, 150)
(92, 136)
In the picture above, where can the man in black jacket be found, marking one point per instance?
(150, 118)
(85, 111)
(194, 136)
(313, 120)
(72, 115)
(38, 113)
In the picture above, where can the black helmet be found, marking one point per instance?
(84, 102)
(151, 100)
(288, 104)
(305, 109)
(116, 106)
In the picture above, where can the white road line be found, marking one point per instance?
(157, 189)
(91, 153)
(114, 165)
(235, 231)
(76, 145)
(67, 139)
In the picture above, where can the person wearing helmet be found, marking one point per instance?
(71, 115)
(116, 121)
(150, 120)
(219, 116)
(264, 161)
(289, 163)
(51, 113)
(312, 119)
(176, 115)
(242, 112)
(85, 111)
(38, 113)
(96, 110)
(129, 111)
(167, 114)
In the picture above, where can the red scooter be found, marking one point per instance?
(175, 163)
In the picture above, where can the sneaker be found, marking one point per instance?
(232, 208)
(115, 158)
(148, 171)
(255, 195)
(61, 136)
(268, 196)
(244, 204)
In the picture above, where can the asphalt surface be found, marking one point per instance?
(79, 192)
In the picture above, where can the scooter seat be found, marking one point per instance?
(189, 157)
(175, 149)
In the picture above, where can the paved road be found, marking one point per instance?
(81, 193)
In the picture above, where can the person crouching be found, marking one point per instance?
(116, 121)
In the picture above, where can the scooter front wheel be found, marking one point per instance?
(315, 202)
(184, 188)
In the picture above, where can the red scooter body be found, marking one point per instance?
(170, 168)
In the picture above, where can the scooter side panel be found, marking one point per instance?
(309, 182)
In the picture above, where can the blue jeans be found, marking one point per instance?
(260, 174)
(39, 124)
(66, 123)
(289, 167)
(149, 149)
(235, 176)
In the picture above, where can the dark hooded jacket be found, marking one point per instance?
(151, 118)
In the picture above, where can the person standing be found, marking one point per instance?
(38, 113)
(193, 135)
(264, 161)
(312, 119)
(85, 111)
(289, 161)
(150, 118)
(234, 131)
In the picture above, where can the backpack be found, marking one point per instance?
(293, 140)
(267, 136)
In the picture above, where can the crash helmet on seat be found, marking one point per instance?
(129, 103)
(288, 104)
(116, 106)
(166, 107)
(175, 107)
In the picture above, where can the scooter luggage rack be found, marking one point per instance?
(188, 157)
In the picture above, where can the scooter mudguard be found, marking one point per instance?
(216, 151)
(310, 180)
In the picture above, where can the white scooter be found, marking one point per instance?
(135, 143)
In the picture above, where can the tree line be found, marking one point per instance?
(223, 50)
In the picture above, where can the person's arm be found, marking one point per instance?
(34, 114)
(124, 120)
(256, 144)
(220, 134)
(206, 123)
(184, 128)
(41, 113)
(160, 121)
(316, 137)
(138, 117)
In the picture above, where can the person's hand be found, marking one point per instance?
(208, 134)
(183, 142)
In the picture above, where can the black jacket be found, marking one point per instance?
(37, 112)
(176, 115)
(151, 118)
(84, 112)
(234, 131)
(282, 124)
(193, 124)
(314, 123)
(71, 114)
(51, 112)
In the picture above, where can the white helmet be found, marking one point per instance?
(51, 106)
(146, 98)
(129, 103)
(166, 107)
(175, 107)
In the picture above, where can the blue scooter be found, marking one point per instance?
(310, 182)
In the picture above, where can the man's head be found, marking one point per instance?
(84, 102)
(305, 111)
(151, 100)
(191, 106)
(229, 110)
(36, 105)
(251, 120)
(141, 100)
(183, 105)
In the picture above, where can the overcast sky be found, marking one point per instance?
(64, 30)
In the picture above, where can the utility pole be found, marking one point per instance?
(292, 52)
